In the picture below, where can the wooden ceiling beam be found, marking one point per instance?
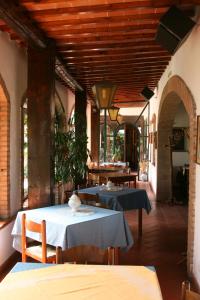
(74, 7)
(50, 4)
(135, 33)
(126, 23)
(115, 68)
(129, 76)
(15, 17)
(65, 20)
(95, 28)
(107, 41)
(122, 81)
(111, 37)
(126, 56)
(121, 72)
(112, 53)
(99, 8)
(19, 21)
(87, 16)
(119, 61)
(108, 46)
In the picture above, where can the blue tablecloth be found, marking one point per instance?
(125, 199)
(20, 267)
(104, 228)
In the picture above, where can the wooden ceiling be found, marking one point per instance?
(101, 39)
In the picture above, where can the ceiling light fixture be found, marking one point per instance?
(104, 92)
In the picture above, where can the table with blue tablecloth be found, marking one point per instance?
(102, 228)
(123, 199)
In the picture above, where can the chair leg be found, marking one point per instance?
(24, 257)
(59, 256)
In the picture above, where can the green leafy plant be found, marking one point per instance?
(70, 153)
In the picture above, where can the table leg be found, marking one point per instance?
(140, 222)
(110, 255)
(113, 256)
(135, 182)
(116, 256)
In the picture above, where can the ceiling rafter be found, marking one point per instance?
(105, 39)
(15, 17)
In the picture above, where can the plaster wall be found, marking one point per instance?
(13, 69)
(70, 103)
(63, 94)
(186, 64)
(6, 249)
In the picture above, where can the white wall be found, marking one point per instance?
(186, 64)
(70, 103)
(63, 94)
(13, 69)
(6, 249)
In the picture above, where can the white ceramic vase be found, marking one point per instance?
(74, 202)
(109, 184)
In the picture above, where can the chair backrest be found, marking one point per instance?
(89, 199)
(187, 294)
(34, 227)
(190, 295)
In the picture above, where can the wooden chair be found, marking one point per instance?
(187, 294)
(41, 252)
(93, 200)
(89, 199)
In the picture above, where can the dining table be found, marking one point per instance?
(79, 282)
(122, 199)
(93, 226)
(115, 177)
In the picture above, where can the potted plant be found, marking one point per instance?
(70, 155)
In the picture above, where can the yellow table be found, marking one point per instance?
(80, 282)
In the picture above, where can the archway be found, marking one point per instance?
(173, 94)
(4, 151)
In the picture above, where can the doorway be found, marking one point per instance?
(175, 94)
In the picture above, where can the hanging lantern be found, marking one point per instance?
(119, 119)
(104, 92)
(113, 112)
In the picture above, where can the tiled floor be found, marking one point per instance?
(162, 244)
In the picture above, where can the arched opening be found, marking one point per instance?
(4, 151)
(122, 143)
(174, 94)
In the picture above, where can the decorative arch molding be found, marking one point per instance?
(4, 151)
(175, 92)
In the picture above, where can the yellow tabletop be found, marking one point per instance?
(81, 282)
